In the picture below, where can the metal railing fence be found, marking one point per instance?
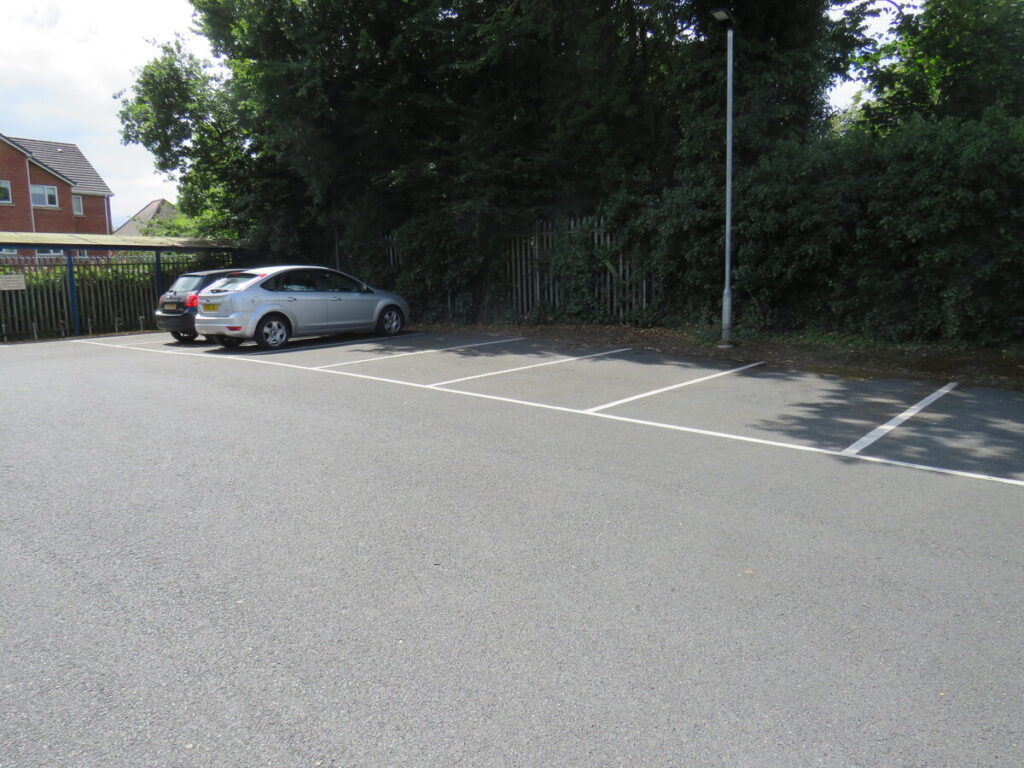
(55, 296)
(617, 286)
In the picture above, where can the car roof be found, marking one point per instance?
(266, 271)
(282, 267)
(206, 272)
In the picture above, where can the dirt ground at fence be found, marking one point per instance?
(992, 367)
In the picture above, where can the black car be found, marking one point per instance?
(176, 308)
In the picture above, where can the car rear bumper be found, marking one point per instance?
(185, 321)
(222, 326)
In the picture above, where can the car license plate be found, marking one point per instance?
(211, 307)
(170, 305)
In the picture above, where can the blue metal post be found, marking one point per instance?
(76, 325)
(159, 275)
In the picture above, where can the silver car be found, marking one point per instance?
(274, 304)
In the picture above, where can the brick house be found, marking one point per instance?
(49, 186)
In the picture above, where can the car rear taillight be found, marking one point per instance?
(192, 300)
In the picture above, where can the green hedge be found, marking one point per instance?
(913, 236)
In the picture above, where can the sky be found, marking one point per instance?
(64, 61)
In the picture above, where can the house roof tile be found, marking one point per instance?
(68, 161)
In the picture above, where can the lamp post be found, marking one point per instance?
(724, 16)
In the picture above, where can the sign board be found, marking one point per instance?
(14, 282)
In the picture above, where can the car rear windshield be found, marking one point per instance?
(232, 281)
(187, 283)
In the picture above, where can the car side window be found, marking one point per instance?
(273, 283)
(298, 280)
(335, 281)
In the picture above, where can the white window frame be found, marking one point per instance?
(47, 190)
(8, 251)
(48, 252)
(6, 184)
(77, 206)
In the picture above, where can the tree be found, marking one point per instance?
(954, 58)
(197, 126)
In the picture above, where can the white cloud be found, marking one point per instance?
(65, 59)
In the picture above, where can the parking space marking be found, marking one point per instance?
(131, 343)
(889, 426)
(625, 400)
(812, 449)
(608, 416)
(182, 345)
(142, 343)
(418, 352)
(208, 355)
(527, 367)
(331, 345)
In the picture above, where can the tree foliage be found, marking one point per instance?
(446, 124)
(948, 58)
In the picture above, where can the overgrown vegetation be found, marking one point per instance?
(448, 125)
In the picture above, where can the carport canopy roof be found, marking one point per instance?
(113, 242)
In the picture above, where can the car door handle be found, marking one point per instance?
(336, 298)
(290, 298)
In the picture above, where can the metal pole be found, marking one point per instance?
(726, 342)
(73, 295)
(159, 269)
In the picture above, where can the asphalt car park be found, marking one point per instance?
(440, 549)
(932, 425)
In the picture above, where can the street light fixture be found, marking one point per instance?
(724, 16)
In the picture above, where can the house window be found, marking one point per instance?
(44, 196)
(5, 192)
(48, 252)
(8, 251)
(76, 205)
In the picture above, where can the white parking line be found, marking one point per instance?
(812, 449)
(328, 345)
(670, 388)
(527, 367)
(142, 343)
(890, 425)
(418, 352)
(608, 416)
(331, 345)
(164, 340)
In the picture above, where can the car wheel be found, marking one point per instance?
(390, 321)
(230, 342)
(185, 335)
(272, 332)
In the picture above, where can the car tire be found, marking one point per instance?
(185, 336)
(229, 342)
(272, 332)
(391, 321)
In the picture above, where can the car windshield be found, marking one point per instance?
(232, 282)
(187, 283)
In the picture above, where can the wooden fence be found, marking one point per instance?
(111, 293)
